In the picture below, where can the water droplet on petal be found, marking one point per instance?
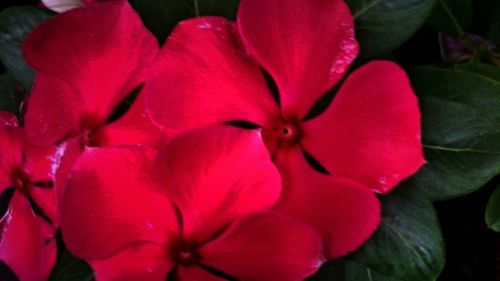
(204, 25)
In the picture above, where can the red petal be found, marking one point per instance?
(206, 78)
(65, 158)
(111, 203)
(216, 174)
(8, 119)
(344, 212)
(10, 151)
(306, 45)
(371, 131)
(195, 273)
(28, 244)
(100, 50)
(134, 128)
(54, 110)
(266, 246)
(45, 198)
(142, 262)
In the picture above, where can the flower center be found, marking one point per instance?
(21, 180)
(185, 253)
(284, 134)
(287, 132)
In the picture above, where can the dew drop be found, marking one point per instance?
(205, 25)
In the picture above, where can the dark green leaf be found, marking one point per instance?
(408, 245)
(15, 24)
(383, 25)
(461, 128)
(161, 16)
(10, 94)
(494, 31)
(70, 268)
(493, 211)
(347, 270)
(484, 70)
(452, 17)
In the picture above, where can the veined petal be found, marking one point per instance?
(216, 174)
(140, 262)
(133, 128)
(306, 46)
(205, 77)
(371, 131)
(110, 190)
(54, 110)
(344, 212)
(100, 50)
(265, 247)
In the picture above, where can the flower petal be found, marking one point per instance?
(206, 78)
(215, 174)
(110, 191)
(306, 46)
(133, 128)
(54, 110)
(100, 50)
(10, 149)
(65, 158)
(344, 212)
(46, 199)
(141, 262)
(371, 131)
(28, 244)
(265, 246)
(195, 273)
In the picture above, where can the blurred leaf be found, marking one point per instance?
(70, 268)
(461, 128)
(10, 96)
(493, 211)
(161, 16)
(452, 17)
(408, 244)
(15, 24)
(383, 25)
(347, 270)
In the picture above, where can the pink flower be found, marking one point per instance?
(88, 60)
(199, 210)
(366, 141)
(27, 242)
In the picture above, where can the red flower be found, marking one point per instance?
(27, 242)
(198, 211)
(367, 140)
(87, 61)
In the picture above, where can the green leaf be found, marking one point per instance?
(70, 268)
(460, 128)
(492, 216)
(161, 16)
(15, 24)
(452, 17)
(484, 70)
(347, 270)
(383, 25)
(10, 94)
(494, 31)
(408, 245)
